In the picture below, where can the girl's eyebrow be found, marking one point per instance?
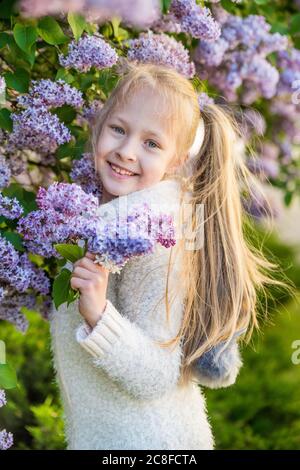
(160, 136)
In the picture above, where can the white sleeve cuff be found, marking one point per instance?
(100, 339)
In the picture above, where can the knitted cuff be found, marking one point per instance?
(98, 340)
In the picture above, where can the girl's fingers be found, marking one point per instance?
(84, 273)
(90, 255)
(77, 283)
(86, 263)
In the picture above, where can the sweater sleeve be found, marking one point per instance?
(219, 367)
(125, 347)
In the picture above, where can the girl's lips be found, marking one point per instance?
(118, 175)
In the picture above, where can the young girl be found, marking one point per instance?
(129, 355)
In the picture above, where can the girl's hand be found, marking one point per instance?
(91, 279)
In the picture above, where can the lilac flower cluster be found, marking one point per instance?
(188, 17)
(239, 57)
(139, 13)
(65, 213)
(17, 275)
(288, 62)
(5, 172)
(49, 94)
(89, 51)
(37, 129)
(6, 439)
(286, 104)
(84, 174)
(131, 235)
(2, 398)
(90, 111)
(204, 99)
(10, 207)
(161, 49)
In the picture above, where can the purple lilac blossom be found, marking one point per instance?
(10, 207)
(83, 173)
(239, 57)
(188, 17)
(160, 49)
(6, 439)
(90, 111)
(204, 99)
(10, 309)
(2, 293)
(89, 51)
(125, 238)
(39, 130)
(49, 94)
(66, 213)
(139, 13)
(5, 172)
(19, 272)
(2, 398)
(67, 199)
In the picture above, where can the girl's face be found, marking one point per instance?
(135, 139)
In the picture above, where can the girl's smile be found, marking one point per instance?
(120, 172)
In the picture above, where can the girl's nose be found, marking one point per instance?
(128, 150)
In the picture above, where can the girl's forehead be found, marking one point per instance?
(152, 108)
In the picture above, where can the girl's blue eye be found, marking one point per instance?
(117, 127)
(156, 146)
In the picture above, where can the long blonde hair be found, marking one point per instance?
(221, 281)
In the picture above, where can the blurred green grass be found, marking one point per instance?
(260, 411)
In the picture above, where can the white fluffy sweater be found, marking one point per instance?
(119, 389)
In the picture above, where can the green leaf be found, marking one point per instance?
(25, 36)
(115, 21)
(26, 198)
(8, 378)
(7, 8)
(77, 23)
(70, 252)
(64, 75)
(19, 80)
(261, 2)
(66, 113)
(50, 31)
(91, 28)
(61, 286)
(5, 120)
(295, 24)
(5, 39)
(72, 296)
(288, 198)
(279, 28)
(165, 5)
(15, 239)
